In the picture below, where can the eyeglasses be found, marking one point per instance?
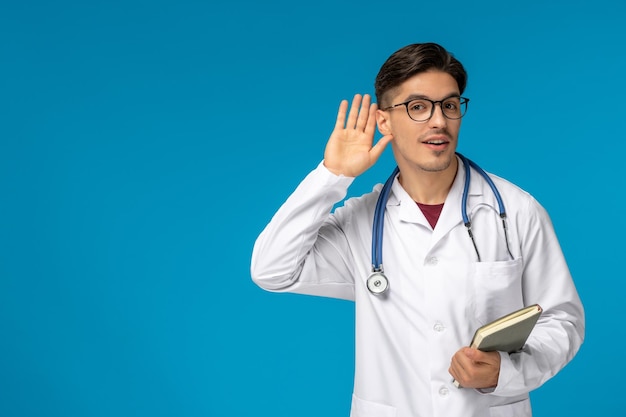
(422, 109)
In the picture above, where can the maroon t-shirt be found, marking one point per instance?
(431, 212)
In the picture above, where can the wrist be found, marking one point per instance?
(335, 171)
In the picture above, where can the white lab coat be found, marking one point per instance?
(438, 295)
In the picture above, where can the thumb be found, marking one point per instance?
(470, 353)
(377, 150)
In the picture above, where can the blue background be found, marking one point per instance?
(145, 144)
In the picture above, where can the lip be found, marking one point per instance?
(436, 141)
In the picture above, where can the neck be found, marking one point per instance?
(428, 187)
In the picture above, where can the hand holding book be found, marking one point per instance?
(508, 333)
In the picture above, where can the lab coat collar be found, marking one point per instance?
(450, 215)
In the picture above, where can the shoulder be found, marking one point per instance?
(519, 202)
(359, 208)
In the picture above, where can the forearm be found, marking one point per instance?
(284, 245)
(553, 343)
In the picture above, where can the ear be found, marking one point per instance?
(383, 122)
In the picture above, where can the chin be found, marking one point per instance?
(441, 162)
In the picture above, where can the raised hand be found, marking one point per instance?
(350, 150)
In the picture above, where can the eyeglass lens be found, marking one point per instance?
(421, 110)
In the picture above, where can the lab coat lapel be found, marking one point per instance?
(450, 215)
(407, 208)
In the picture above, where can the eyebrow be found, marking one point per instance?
(421, 96)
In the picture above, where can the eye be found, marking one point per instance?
(418, 106)
(451, 105)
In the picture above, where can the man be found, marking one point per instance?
(411, 341)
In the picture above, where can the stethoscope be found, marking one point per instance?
(377, 282)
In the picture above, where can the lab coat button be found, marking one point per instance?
(444, 392)
(432, 261)
(438, 327)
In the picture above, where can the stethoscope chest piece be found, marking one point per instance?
(377, 283)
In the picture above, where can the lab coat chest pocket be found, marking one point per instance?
(497, 289)
(363, 408)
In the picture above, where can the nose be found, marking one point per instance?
(438, 119)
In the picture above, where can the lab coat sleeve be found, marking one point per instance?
(303, 248)
(559, 331)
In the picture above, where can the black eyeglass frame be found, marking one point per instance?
(463, 101)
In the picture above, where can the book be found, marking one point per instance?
(508, 333)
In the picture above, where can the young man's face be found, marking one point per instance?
(430, 145)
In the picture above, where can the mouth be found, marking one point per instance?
(437, 142)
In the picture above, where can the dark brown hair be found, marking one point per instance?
(414, 59)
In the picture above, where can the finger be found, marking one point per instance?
(354, 111)
(364, 113)
(341, 115)
(370, 127)
(455, 371)
(460, 364)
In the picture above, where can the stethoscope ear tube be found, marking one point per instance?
(467, 163)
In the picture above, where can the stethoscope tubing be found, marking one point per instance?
(379, 221)
(378, 276)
